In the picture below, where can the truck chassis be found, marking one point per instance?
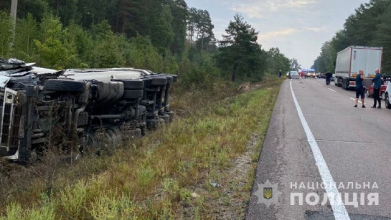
(39, 109)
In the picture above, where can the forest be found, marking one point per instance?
(368, 26)
(154, 177)
(159, 35)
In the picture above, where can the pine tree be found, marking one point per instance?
(239, 51)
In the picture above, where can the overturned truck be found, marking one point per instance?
(38, 104)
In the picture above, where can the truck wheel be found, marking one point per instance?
(133, 94)
(174, 78)
(132, 84)
(65, 85)
(158, 81)
(170, 79)
(345, 84)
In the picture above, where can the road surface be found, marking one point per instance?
(331, 149)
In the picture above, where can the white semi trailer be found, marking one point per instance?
(354, 58)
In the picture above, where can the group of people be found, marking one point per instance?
(360, 90)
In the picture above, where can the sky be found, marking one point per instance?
(297, 27)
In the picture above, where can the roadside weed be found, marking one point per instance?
(156, 176)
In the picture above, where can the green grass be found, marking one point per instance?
(152, 177)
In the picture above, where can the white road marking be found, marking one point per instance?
(333, 194)
(358, 101)
(332, 90)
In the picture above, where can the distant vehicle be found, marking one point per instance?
(321, 75)
(294, 74)
(333, 78)
(308, 73)
(354, 58)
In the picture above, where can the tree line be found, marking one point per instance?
(160, 35)
(368, 26)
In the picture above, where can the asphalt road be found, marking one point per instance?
(355, 144)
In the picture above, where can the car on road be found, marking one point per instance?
(387, 95)
(311, 75)
(294, 74)
(332, 78)
(369, 89)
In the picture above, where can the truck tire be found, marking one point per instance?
(133, 94)
(158, 81)
(132, 84)
(170, 79)
(174, 78)
(65, 85)
(345, 84)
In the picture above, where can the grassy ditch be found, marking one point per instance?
(152, 178)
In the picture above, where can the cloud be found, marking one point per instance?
(274, 34)
(259, 9)
(293, 26)
(316, 29)
(300, 3)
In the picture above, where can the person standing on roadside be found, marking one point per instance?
(279, 74)
(328, 76)
(360, 88)
(376, 89)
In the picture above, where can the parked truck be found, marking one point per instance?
(354, 58)
(39, 108)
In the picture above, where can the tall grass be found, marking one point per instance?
(150, 178)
